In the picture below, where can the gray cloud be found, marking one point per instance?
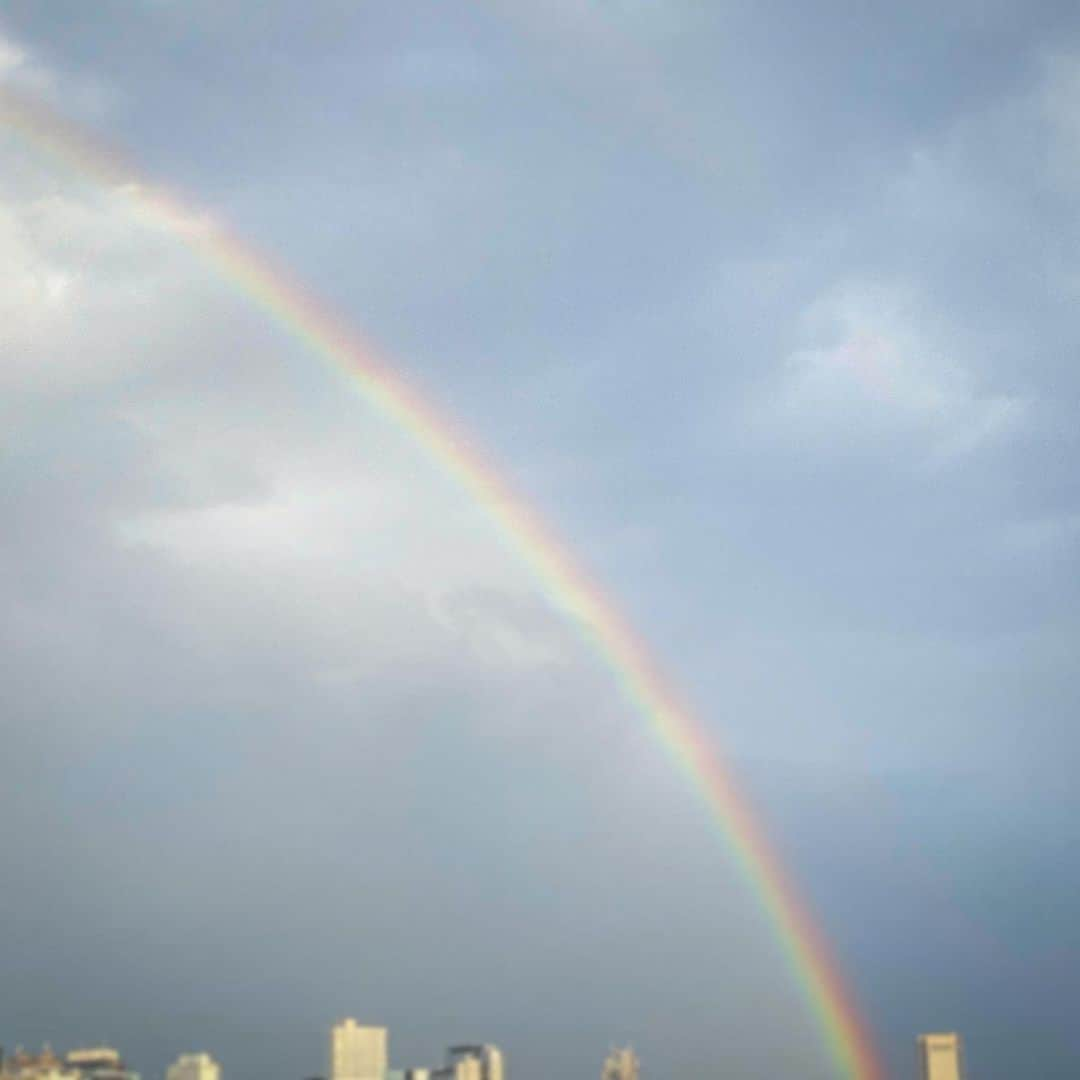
(297, 735)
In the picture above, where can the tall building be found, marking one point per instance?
(193, 1067)
(357, 1053)
(465, 1068)
(476, 1061)
(941, 1056)
(621, 1064)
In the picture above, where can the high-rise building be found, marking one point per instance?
(476, 1061)
(357, 1053)
(193, 1067)
(621, 1064)
(941, 1056)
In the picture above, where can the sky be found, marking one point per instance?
(768, 311)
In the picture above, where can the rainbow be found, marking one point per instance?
(675, 728)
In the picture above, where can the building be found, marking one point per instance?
(621, 1064)
(90, 1063)
(193, 1067)
(357, 1053)
(92, 1058)
(476, 1061)
(22, 1065)
(941, 1056)
(465, 1068)
(98, 1063)
(470, 1061)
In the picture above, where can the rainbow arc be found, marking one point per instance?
(682, 735)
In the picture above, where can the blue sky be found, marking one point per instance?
(770, 311)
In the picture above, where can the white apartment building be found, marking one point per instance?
(621, 1064)
(193, 1067)
(941, 1056)
(356, 1052)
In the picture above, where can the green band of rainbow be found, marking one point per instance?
(682, 736)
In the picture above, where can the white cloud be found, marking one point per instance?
(20, 70)
(382, 552)
(355, 502)
(25, 73)
(265, 535)
(876, 367)
(89, 290)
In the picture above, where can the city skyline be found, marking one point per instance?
(358, 1050)
(354, 1051)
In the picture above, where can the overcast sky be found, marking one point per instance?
(769, 309)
